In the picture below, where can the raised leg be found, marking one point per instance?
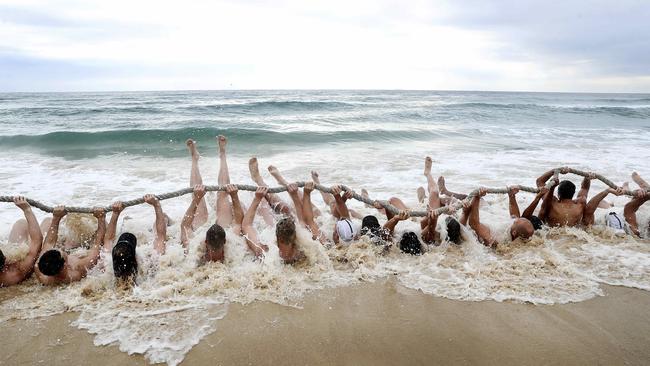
(442, 188)
(273, 200)
(421, 193)
(327, 198)
(638, 180)
(224, 207)
(201, 216)
(19, 232)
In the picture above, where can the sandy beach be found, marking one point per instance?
(379, 324)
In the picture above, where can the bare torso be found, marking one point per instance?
(566, 212)
(12, 274)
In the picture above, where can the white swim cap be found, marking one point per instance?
(345, 229)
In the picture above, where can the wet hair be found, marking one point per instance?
(410, 243)
(285, 230)
(537, 222)
(124, 259)
(370, 225)
(2, 260)
(453, 230)
(215, 237)
(51, 262)
(566, 190)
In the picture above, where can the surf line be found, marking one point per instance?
(394, 210)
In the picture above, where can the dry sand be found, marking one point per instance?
(379, 324)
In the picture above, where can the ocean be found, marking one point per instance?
(87, 149)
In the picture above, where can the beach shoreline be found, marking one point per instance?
(379, 323)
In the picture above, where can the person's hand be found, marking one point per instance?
(58, 212)
(542, 191)
(348, 195)
(467, 205)
(432, 215)
(403, 215)
(591, 176)
(513, 190)
(482, 191)
(231, 189)
(336, 190)
(260, 192)
(292, 188)
(99, 212)
(22, 203)
(309, 187)
(564, 170)
(616, 191)
(640, 193)
(151, 199)
(198, 191)
(117, 207)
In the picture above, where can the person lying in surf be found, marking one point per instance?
(430, 235)
(641, 196)
(24, 230)
(55, 266)
(563, 210)
(520, 227)
(589, 217)
(215, 237)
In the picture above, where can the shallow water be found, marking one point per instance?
(95, 148)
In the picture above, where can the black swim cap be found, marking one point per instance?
(124, 258)
(537, 222)
(370, 225)
(2, 260)
(410, 243)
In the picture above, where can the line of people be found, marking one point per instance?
(53, 265)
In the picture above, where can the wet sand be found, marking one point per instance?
(379, 324)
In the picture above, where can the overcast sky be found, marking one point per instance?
(599, 46)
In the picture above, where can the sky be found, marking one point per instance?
(93, 45)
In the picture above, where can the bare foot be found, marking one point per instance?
(364, 194)
(441, 185)
(626, 186)
(222, 141)
(638, 180)
(314, 177)
(421, 194)
(254, 169)
(275, 172)
(427, 166)
(191, 145)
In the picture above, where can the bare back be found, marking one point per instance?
(566, 212)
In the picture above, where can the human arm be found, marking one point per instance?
(513, 207)
(53, 231)
(341, 207)
(109, 238)
(548, 200)
(93, 254)
(584, 187)
(593, 203)
(247, 224)
(161, 226)
(629, 212)
(541, 181)
(429, 234)
(35, 235)
(188, 218)
(238, 212)
(292, 190)
(528, 212)
(389, 226)
(308, 211)
(482, 232)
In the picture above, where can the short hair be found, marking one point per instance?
(2, 260)
(125, 263)
(537, 222)
(370, 225)
(522, 228)
(51, 262)
(453, 230)
(285, 230)
(566, 190)
(410, 243)
(215, 237)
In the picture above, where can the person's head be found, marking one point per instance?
(409, 243)
(521, 228)
(453, 230)
(215, 237)
(2, 260)
(537, 222)
(285, 231)
(566, 190)
(124, 259)
(370, 226)
(51, 262)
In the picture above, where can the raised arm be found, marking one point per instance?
(238, 212)
(35, 235)
(530, 210)
(92, 256)
(549, 198)
(541, 181)
(482, 232)
(586, 184)
(53, 231)
(389, 226)
(340, 202)
(631, 207)
(109, 238)
(513, 207)
(161, 226)
(292, 189)
(190, 213)
(429, 234)
(249, 231)
(308, 211)
(593, 203)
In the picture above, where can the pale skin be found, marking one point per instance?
(567, 211)
(641, 196)
(272, 202)
(201, 215)
(252, 239)
(14, 273)
(160, 224)
(109, 238)
(75, 267)
(224, 208)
